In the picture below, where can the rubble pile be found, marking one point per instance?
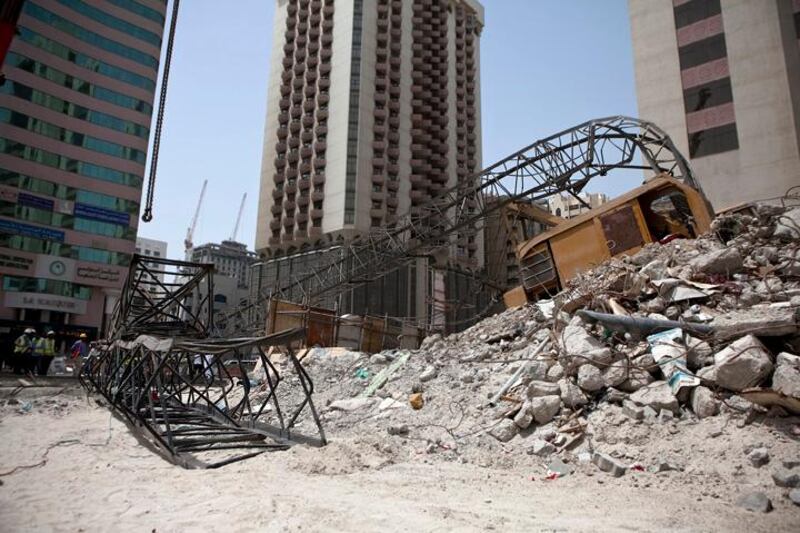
(682, 355)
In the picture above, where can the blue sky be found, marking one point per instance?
(546, 65)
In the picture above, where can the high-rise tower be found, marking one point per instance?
(373, 109)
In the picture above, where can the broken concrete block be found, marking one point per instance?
(543, 388)
(764, 322)
(428, 374)
(786, 378)
(572, 394)
(582, 348)
(657, 396)
(524, 416)
(606, 463)
(559, 468)
(704, 403)
(378, 359)
(541, 448)
(505, 430)
(555, 373)
(656, 269)
(545, 408)
(742, 364)
(590, 378)
(794, 496)
(699, 353)
(787, 225)
(616, 374)
(632, 410)
(755, 501)
(351, 404)
(758, 457)
(537, 370)
(724, 261)
(615, 396)
(786, 477)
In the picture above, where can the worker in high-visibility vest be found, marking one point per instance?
(23, 351)
(46, 351)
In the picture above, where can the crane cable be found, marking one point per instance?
(147, 215)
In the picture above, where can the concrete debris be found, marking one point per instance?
(541, 448)
(787, 225)
(572, 394)
(704, 403)
(551, 385)
(794, 496)
(786, 378)
(606, 463)
(742, 364)
(545, 408)
(590, 379)
(786, 477)
(543, 388)
(758, 457)
(758, 502)
(505, 430)
(726, 261)
(657, 396)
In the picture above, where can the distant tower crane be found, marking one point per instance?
(238, 218)
(188, 243)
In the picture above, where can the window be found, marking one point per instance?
(89, 37)
(112, 22)
(139, 9)
(77, 84)
(82, 60)
(70, 137)
(46, 286)
(67, 164)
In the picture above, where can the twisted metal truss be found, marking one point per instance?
(562, 163)
(200, 402)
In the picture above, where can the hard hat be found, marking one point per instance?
(83, 335)
(30, 330)
(51, 332)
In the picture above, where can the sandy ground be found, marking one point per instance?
(98, 478)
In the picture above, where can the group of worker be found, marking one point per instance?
(34, 353)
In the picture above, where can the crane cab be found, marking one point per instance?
(660, 210)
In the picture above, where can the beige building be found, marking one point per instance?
(722, 78)
(373, 108)
(566, 206)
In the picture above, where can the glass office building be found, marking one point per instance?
(75, 113)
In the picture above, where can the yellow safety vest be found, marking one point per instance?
(45, 346)
(22, 345)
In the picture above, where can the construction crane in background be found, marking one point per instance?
(188, 243)
(238, 218)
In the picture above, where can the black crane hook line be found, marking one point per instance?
(147, 215)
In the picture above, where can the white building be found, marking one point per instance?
(567, 206)
(152, 248)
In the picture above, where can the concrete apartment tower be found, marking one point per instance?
(74, 127)
(373, 108)
(722, 77)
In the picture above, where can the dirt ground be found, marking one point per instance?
(96, 477)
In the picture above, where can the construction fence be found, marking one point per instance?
(325, 328)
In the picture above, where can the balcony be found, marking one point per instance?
(318, 179)
(316, 213)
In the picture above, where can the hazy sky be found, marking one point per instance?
(546, 65)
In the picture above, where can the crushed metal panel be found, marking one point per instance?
(621, 230)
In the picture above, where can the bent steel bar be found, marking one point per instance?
(195, 403)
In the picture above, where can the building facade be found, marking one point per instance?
(722, 78)
(567, 206)
(232, 269)
(373, 108)
(74, 127)
(153, 248)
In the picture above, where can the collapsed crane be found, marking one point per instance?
(561, 163)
